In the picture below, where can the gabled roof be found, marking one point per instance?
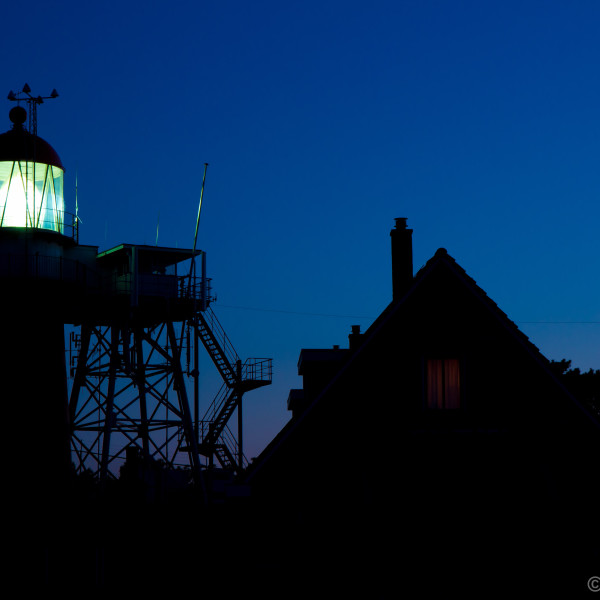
(442, 256)
(440, 259)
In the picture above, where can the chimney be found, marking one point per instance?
(402, 263)
(355, 337)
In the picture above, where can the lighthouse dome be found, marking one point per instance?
(18, 144)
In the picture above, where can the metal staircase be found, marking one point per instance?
(224, 455)
(217, 344)
(215, 438)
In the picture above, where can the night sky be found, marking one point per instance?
(322, 122)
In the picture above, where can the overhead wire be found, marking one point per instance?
(346, 316)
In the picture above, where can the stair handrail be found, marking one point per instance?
(217, 331)
(227, 399)
(228, 439)
(217, 404)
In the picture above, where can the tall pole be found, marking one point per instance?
(200, 205)
(196, 345)
(110, 398)
(240, 421)
(140, 377)
(193, 265)
(185, 409)
(76, 212)
(196, 388)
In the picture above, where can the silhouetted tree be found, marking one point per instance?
(585, 386)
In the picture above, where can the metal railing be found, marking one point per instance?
(154, 284)
(63, 223)
(257, 369)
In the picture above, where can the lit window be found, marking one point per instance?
(443, 383)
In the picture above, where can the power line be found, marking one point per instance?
(344, 316)
(558, 322)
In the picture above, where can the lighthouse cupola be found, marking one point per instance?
(31, 179)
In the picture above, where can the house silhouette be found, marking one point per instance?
(437, 453)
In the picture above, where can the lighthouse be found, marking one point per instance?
(37, 249)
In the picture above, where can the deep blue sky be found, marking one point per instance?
(322, 122)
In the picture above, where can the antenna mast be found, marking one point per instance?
(33, 102)
(200, 206)
(204, 303)
(193, 264)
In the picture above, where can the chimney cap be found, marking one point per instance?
(401, 222)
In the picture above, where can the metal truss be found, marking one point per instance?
(128, 393)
